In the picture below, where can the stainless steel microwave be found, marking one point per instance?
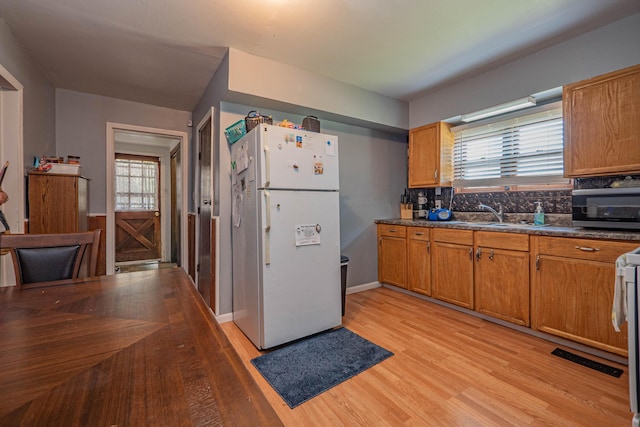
(617, 208)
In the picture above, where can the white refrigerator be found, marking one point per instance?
(285, 234)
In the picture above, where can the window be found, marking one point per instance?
(517, 149)
(137, 181)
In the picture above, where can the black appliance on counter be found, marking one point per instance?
(617, 208)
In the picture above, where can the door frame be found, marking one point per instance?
(215, 245)
(183, 190)
(12, 150)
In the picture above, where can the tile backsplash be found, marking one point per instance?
(553, 201)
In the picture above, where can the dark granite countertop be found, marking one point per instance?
(545, 230)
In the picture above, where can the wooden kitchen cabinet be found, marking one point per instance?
(58, 203)
(502, 276)
(452, 266)
(419, 260)
(602, 124)
(572, 290)
(392, 254)
(431, 156)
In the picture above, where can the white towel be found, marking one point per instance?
(619, 309)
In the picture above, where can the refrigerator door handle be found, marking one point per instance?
(267, 228)
(267, 166)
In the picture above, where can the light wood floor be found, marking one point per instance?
(451, 369)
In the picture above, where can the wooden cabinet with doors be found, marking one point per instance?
(602, 124)
(572, 290)
(430, 156)
(502, 276)
(452, 266)
(419, 260)
(392, 254)
(58, 203)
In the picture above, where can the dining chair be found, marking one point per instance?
(46, 259)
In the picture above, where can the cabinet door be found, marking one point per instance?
(601, 117)
(392, 261)
(424, 156)
(57, 203)
(452, 265)
(502, 284)
(419, 266)
(574, 299)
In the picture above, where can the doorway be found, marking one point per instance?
(144, 231)
(207, 223)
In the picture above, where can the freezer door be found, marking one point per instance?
(246, 232)
(294, 159)
(301, 293)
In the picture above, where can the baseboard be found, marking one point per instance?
(363, 287)
(224, 318)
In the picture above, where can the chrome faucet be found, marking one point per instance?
(499, 214)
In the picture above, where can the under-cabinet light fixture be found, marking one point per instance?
(518, 104)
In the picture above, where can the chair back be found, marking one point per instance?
(44, 259)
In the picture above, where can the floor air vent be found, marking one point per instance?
(601, 367)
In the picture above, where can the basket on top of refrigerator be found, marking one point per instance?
(254, 118)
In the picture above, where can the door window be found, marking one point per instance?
(137, 183)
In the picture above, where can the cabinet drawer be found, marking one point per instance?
(509, 241)
(461, 237)
(418, 233)
(587, 249)
(392, 230)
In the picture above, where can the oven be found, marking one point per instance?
(617, 208)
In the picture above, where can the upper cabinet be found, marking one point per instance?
(602, 124)
(430, 156)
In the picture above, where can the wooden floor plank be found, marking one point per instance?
(451, 369)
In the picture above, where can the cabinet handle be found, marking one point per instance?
(392, 230)
(587, 249)
(435, 174)
(491, 255)
(538, 263)
(429, 248)
(418, 233)
(470, 254)
(478, 254)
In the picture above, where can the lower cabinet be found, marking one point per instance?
(561, 286)
(573, 290)
(392, 254)
(419, 260)
(452, 266)
(502, 276)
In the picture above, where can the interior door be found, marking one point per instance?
(204, 267)
(137, 216)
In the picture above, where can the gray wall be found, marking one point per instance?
(39, 97)
(605, 49)
(373, 173)
(373, 163)
(81, 129)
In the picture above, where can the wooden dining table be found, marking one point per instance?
(132, 349)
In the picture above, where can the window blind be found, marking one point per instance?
(521, 148)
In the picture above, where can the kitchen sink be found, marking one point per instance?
(509, 225)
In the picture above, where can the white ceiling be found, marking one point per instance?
(164, 52)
